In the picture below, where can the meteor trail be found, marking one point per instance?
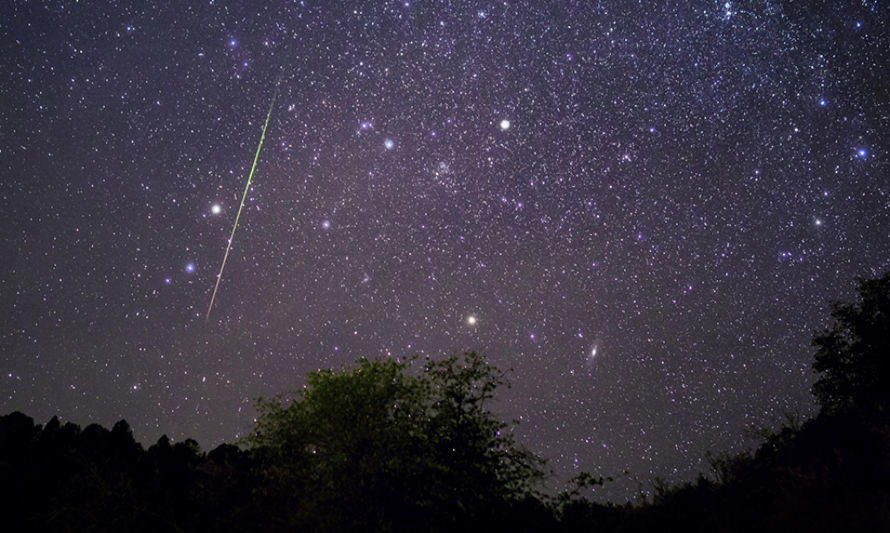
(243, 198)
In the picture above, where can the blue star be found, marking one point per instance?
(190, 268)
(861, 153)
(389, 144)
(233, 43)
(822, 102)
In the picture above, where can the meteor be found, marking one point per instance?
(241, 207)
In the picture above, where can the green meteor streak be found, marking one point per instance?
(243, 198)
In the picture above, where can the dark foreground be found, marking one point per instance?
(410, 447)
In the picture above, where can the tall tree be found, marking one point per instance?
(853, 357)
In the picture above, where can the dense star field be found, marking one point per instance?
(641, 208)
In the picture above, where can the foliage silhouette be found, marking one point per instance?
(853, 357)
(412, 446)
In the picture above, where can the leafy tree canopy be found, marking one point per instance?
(388, 439)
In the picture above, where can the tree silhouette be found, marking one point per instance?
(853, 356)
(383, 448)
(392, 446)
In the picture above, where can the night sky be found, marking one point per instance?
(641, 208)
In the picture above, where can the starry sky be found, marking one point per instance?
(643, 209)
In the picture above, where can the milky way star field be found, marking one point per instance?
(641, 210)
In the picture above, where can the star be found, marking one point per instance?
(216, 209)
(389, 144)
(190, 267)
(472, 320)
(505, 124)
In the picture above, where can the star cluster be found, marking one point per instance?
(641, 208)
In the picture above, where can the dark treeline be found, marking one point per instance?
(412, 447)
